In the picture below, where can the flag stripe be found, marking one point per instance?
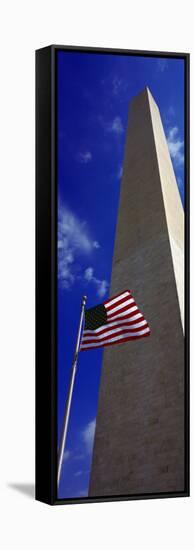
(117, 303)
(108, 333)
(129, 336)
(110, 326)
(117, 298)
(122, 305)
(129, 318)
(126, 313)
(129, 321)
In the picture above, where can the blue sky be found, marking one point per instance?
(93, 92)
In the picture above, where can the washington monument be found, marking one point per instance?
(139, 439)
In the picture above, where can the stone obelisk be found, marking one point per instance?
(139, 439)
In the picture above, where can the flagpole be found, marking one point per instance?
(70, 392)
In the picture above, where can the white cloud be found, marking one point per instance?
(88, 274)
(73, 240)
(119, 85)
(88, 435)
(66, 455)
(102, 288)
(96, 244)
(175, 145)
(116, 126)
(162, 64)
(85, 157)
(101, 285)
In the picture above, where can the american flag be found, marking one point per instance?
(115, 321)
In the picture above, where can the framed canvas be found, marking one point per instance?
(112, 274)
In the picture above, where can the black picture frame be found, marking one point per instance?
(46, 273)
